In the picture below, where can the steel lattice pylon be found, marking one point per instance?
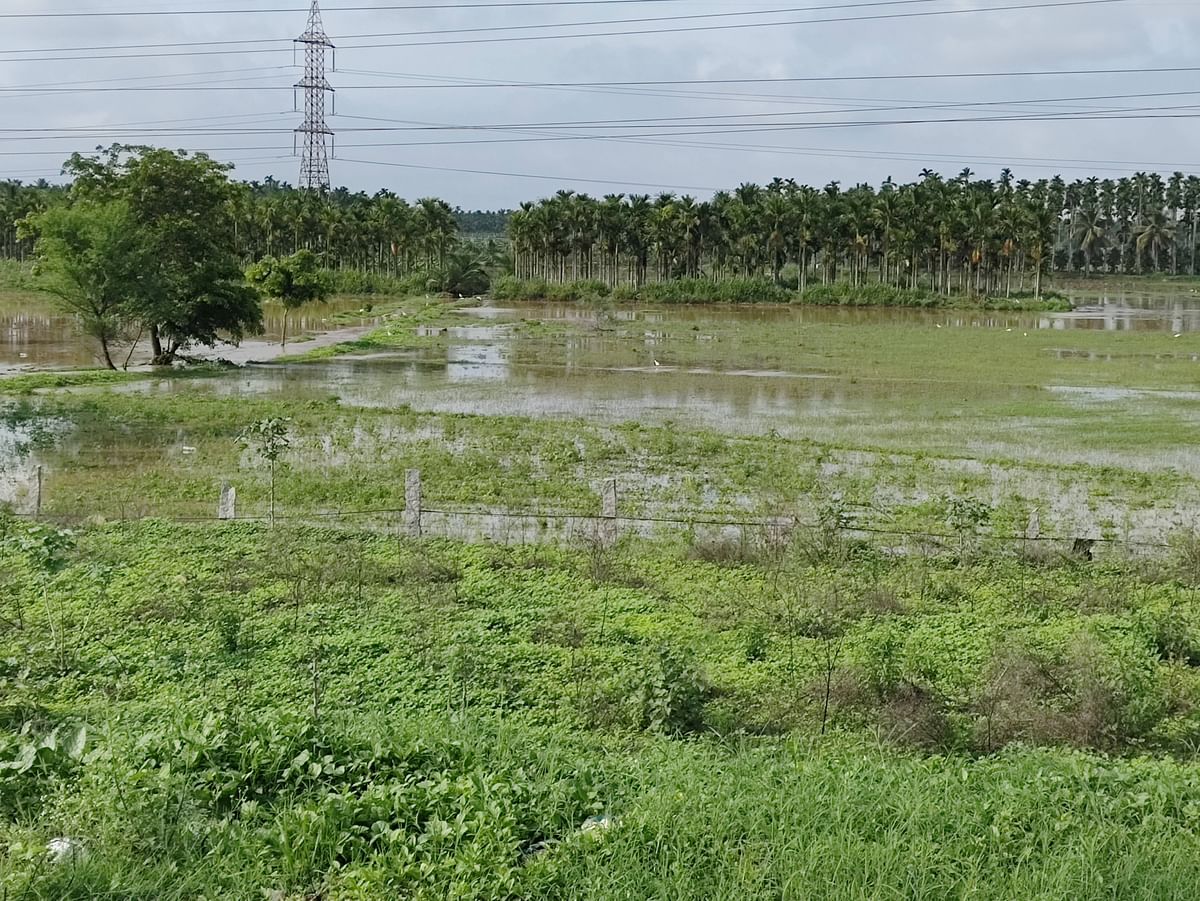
(314, 160)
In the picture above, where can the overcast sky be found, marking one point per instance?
(392, 95)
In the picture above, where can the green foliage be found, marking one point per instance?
(180, 210)
(759, 290)
(16, 275)
(205, 769)
(670, 693)
(355, 281)
(699, 290)
(463, 273)
(510, 288)
(267, 438)
(98, 264)
(293, 281)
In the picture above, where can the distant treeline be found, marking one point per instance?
(937, 234)
(958, 235)
(483, 223)
(381, 234)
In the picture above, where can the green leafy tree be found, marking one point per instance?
(268, 439)
(293, 281)
(463, 274)
(182, 206)
(92, 258)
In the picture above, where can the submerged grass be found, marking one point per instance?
(164, 447)
(766, 291)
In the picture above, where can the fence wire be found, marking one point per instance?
(564, 519)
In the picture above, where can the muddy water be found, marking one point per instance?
(35, 336)
(483, 365)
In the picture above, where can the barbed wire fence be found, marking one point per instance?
(417, 518)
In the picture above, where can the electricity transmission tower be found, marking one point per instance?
(314, 159)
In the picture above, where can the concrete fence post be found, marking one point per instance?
(412, 503)
(1033, 530)
(608, 512)
(227, 505)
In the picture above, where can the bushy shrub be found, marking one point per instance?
(671, 692)
(870, 295)
(699, 290)
(16, 276)
(758, 290)
(512, 288)
(914, 716)
(876, 294)
(352, 281)
(1090, 695)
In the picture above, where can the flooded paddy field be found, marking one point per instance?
(34, 335)
(1088, 418)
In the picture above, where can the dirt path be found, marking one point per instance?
(254, 350)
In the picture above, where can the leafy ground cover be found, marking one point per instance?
(239, 711)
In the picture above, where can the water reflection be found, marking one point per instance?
(35, 336)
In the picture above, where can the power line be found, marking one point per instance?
(895, 105)
(556, 178)
(56, 84)
(730, 27)
(457, 7)
(485, 28)
(626, 33)
(659, 121)
(1149, 113)
(1052, 163)
(467, 83)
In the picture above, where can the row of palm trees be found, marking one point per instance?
(379, 233)
(958, 234)
(944, 234)
(17, 201)
(382, 234)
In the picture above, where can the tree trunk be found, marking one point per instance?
(108, 360)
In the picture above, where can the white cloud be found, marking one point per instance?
(1145, 33)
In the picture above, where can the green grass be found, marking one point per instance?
(235, 711)
(15, 276)
(764, 291)
(117, 453)
(343, 714)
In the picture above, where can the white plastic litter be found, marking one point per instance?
(65, 850)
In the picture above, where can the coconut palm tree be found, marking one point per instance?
(1090, 231)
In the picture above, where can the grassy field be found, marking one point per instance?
(238, 711)
(744, 414)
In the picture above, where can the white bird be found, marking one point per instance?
(1176, 335)
(656, 363)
